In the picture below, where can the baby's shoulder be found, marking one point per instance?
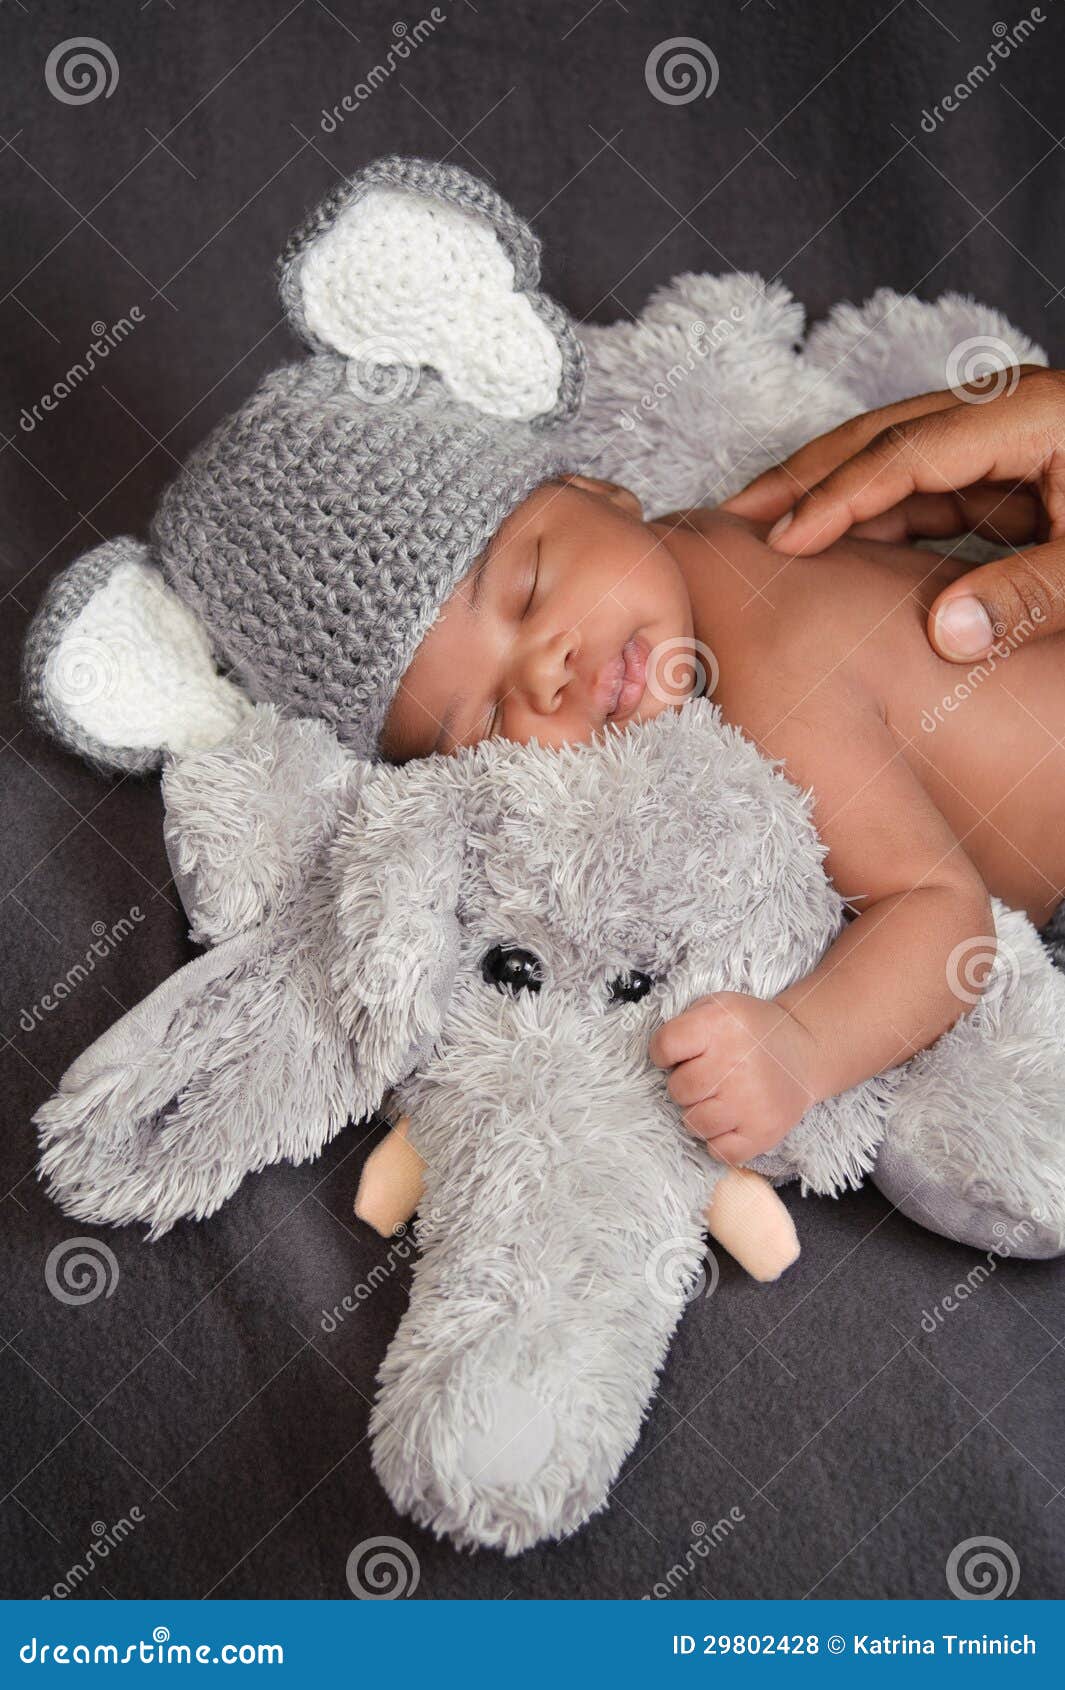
(831, 624)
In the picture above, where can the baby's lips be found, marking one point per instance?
(634, 655)
(606, 688)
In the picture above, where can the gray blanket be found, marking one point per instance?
(190, 1418)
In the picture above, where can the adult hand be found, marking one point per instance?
(989, 458)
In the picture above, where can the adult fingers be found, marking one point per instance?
(1013, 600)
(936, 453)
(774, 492)
(1010, 516)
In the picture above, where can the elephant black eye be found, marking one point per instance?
(631, 987)
(511, 970)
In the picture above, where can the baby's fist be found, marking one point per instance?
(742, 1072)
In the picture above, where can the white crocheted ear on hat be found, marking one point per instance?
(412, 265)
(119, 670)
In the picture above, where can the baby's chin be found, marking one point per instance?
(647, 712)
(660, 705)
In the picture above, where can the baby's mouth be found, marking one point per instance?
(622, 683)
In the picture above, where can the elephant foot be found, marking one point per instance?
(515, 1441)
(965, 1209)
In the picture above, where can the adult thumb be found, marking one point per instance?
(1008, 602)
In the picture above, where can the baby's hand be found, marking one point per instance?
(742, 1072)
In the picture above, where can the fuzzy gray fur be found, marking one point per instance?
(351, 912)
(316, 536)
(561, 1228)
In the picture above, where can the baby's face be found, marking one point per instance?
(576, 616)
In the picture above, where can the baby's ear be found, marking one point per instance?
(413, 265)
(118, 669)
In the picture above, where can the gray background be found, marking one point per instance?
(859, 1448)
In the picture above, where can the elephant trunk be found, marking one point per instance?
(561, 1234)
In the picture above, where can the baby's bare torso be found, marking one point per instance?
(809, 644)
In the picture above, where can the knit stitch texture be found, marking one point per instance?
(318, 532)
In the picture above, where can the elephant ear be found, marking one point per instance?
(396, 871)
(118, 669)
(411, 266)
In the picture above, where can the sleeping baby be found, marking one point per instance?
(393, 535)
(574, 619)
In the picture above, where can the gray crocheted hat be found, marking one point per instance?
(315, 535)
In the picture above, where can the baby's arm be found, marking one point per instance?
(746, 1069)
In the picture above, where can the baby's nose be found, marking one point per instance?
(548, 671)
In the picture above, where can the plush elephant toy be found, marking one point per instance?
(494, 935)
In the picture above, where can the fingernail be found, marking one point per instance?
(963, 628)
(779, 526)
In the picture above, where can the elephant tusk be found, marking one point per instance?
(746, 1215)
(393, 1179)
